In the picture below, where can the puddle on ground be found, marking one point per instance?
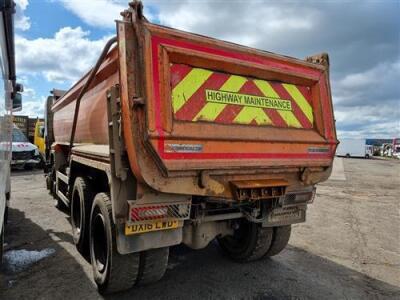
(18, 260)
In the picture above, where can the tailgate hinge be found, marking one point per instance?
(115, 138)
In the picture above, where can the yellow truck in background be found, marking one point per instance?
(38, 138)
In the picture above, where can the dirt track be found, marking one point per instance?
(349, 248)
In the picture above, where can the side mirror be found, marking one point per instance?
(17, 102)
(19, 87)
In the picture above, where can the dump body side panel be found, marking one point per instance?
(92, 117)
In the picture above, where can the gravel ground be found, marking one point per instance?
(349, 248)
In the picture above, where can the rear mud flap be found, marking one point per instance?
(285, 216)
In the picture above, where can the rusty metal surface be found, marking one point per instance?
(199, 158)
(245, 184)
(85, 87)
(93, 150)
(179, 171)
(92, 119)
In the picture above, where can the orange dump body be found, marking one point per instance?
(199, 113)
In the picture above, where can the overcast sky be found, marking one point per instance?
(57, 41)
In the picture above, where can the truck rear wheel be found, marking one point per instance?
(49, 184)
(112, 271)
(153, 264)
(280, 240)
(248, 243)
(81, 204)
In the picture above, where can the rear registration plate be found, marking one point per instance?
(149, 226)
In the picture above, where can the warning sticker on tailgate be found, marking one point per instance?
(202, 95)
(247, 100)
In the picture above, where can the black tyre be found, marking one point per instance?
(59, 204)
(81, 204)
(49, 184)
(153, 264)
(112, 271)
(280, 240)
(42, 163)
(249, 242)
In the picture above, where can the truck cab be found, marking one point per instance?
(38, 139)
(369, 151)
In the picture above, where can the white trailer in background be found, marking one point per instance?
(396, 148)
(354, 148)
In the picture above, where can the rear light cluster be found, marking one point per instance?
(259, 193)
(179, 211)
(149, 213)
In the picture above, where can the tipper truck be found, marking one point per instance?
(178, 138)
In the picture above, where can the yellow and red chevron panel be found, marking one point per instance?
(204, 95)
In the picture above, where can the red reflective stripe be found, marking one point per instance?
(156, 90)
(178, 72)
(136, 211)
(134, 214)
(270, 62)
(230, 112)
(301, 117)
(306, 92)
(326, 108)
(246, 155)
(275, 117)
(195, 103)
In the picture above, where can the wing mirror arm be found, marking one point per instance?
(17, 97)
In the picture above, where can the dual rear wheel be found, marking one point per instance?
(252, 242)
(93, 232)
(112, 271)
(81, 204)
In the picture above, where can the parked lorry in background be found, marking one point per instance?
(178, 138)
(10, 100)
(354, 148)
(38, 139)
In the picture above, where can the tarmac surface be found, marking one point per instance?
(349, 248)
